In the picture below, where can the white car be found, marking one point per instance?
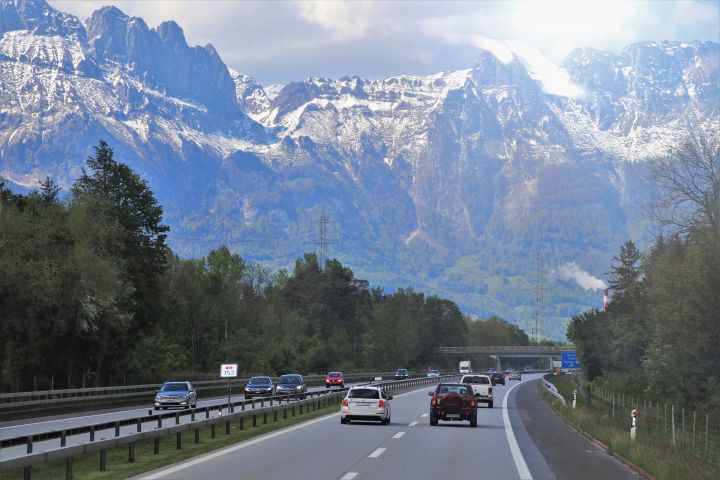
(433, 373)
(366, 403)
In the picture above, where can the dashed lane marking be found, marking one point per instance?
(349, 476)
(412, 424)
(399, 435)
(376, 453)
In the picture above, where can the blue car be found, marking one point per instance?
(259, 387)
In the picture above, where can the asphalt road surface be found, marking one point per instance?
(521, 438)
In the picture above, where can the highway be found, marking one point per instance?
(521, 438)
(30, 426)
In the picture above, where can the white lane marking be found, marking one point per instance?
(237, 447)
(520, 464)
(424, 415)
(399, 435)
(376, 453)
(412, 424)
(349, 476)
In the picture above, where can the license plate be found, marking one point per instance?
(362, 404)
(453, 415)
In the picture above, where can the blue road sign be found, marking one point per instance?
(569, 360)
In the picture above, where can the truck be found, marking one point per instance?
(465, 366)
(482, 388)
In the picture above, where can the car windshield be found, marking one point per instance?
(402, 370)
(289, 380)
(334, 375)
(459, 389)
(260, 381)
(434, 371)
(477, 380)
(363, 393)
(174, 387)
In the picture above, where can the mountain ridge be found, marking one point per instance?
(451, 182)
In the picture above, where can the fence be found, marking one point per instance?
(697, 433)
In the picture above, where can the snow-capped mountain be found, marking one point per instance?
(449, 182)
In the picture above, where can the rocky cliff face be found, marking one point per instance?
(449, 182)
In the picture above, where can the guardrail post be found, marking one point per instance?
(262, 403)
(207, 412)
(139, 425)
(156, 445)
(131, 452)
(69, 468)
(178, 440)
(159, 421)
(274, 415)
(293, 410)
(264, 418)
(103, 460)
(284, 413)
(92, 433)
(63, 438)
(177, 418)
(197, 435)
(242, 423)
(227, 427)
(27, 472)
(301, 409)
(192, 415)
(212, 431)
(254, 420)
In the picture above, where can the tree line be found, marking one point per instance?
(660, 336)
(91, 294)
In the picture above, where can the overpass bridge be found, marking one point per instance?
(512, 351)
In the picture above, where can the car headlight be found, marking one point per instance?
(299, 387)
(157, 398)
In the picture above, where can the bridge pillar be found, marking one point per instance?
(498, 367)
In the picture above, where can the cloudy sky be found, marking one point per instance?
(279, 41)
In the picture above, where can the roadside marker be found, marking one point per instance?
(376, 453)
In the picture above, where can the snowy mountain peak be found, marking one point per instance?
(38, 17)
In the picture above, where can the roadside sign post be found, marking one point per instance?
(228, 370)
(574, 397)
(633, 427)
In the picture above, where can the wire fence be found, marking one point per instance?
(695, 432)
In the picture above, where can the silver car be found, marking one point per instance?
(176, 394)
(366, 403)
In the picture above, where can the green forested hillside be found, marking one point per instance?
(91, 294)
(661, 334)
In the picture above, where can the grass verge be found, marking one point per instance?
(660, 460)
(87, 466)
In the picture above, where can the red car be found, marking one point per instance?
(454, 402)
(334, 379)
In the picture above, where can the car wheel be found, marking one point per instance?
(344, 421)
(433, 420)
(473, 422)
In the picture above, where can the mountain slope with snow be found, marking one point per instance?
(450, 182)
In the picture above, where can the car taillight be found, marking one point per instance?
(345, 402)
(433, 401)
(472, 403)
(381, 404)
(490, 391)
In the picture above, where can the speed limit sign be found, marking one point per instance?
(228, 370)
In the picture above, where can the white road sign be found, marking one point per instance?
(228, 370)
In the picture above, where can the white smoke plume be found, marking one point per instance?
(571, 271)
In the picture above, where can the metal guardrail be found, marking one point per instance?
(40, 400)
(277, 404)
(545, 350)
(553, 390)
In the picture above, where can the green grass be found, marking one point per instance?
(87, 466)
(648, 452)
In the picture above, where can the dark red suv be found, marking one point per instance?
(453, 402)
(497, 377)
